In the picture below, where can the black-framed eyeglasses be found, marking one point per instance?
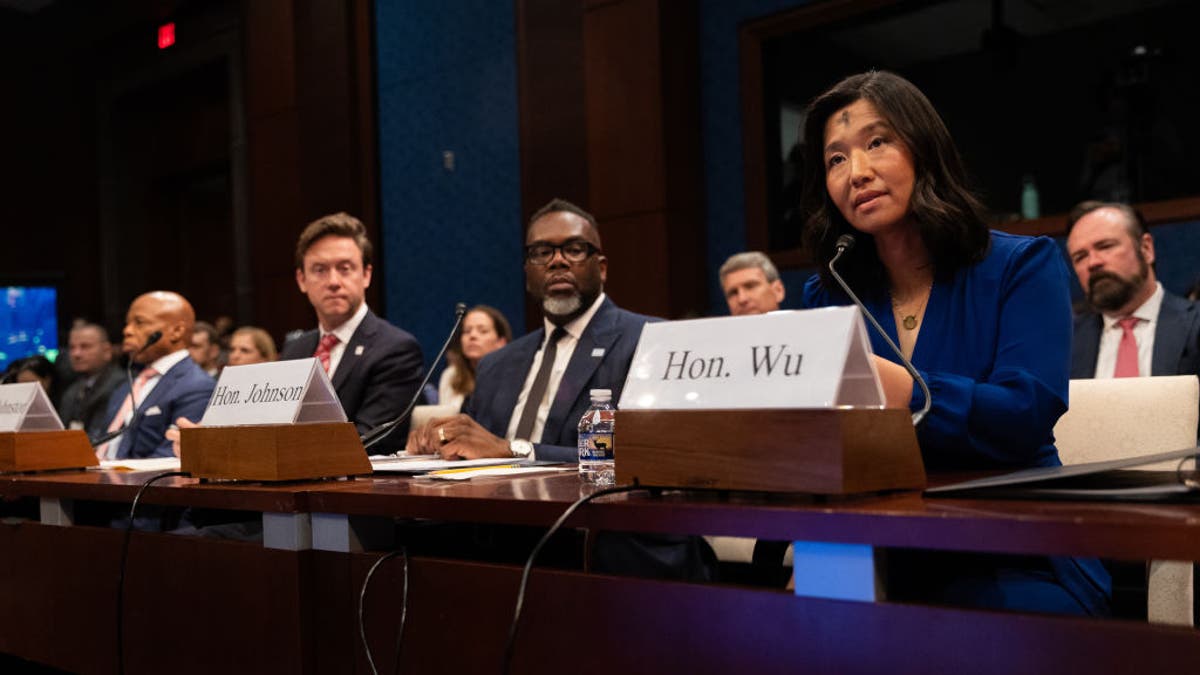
(575, 251)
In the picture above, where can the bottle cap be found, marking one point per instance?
(601, 393)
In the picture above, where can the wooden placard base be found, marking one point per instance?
(45, 450)
(274, 452)
(827, 451)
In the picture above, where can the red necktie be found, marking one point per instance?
(1127, 350)
(324, 348)
(126, 408)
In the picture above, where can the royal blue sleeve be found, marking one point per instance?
(1008, 417)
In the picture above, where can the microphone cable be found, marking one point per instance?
(516, 620)
(125, 558)
(362, 598)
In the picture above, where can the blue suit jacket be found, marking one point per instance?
(183, 391)
(376, 378)
(600, 361)
(1176, 340)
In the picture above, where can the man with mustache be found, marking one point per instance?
(531, 394)
(1137, 329)
(590, 339)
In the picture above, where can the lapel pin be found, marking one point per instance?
(598, 352)
(358, 350)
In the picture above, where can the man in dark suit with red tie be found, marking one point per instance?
(374, 366)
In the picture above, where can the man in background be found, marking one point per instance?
(751, 284)
(205, 348)
(1134, 328)
(84, 404)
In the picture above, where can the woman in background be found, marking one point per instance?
(36, 368)
(484, 330)
(984, 316)
(250, 344)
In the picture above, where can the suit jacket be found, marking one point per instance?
(1176, 340)
(90, 407)
(600, 361)
(378, 375)
(182, 391)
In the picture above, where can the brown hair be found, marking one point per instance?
(261, 339)
(1135, 222)
(340, 224)
(463, 380)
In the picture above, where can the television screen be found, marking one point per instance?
(28, 323)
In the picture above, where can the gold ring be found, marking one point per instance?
(442, 434)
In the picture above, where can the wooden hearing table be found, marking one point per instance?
(201, 605)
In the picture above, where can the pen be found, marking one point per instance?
(474, 468)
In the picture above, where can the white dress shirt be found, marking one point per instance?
(343, 332)
(566, 347)
(1143, 332)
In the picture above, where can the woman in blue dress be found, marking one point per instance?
(984, 316)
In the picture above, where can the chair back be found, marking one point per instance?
(1127, 417)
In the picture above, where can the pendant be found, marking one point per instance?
(910, 322)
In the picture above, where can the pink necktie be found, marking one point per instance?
(126, 408)
(1127, 350)
(324, 348)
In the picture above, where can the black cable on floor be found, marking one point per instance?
(362, 596)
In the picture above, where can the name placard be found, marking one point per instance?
(281, 392)
(25, 407)
(817, 358)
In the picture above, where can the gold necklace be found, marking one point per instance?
(909, 321)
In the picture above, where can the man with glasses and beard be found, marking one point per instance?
(530, 395)
(1136, 328)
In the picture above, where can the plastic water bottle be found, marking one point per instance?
(1031, 207)
(596, 439)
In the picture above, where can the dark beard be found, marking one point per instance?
(1109, 292)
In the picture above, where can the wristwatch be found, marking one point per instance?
(520, 448)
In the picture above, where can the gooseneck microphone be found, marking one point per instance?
(151, 339)
(380, 432)
(844, 244)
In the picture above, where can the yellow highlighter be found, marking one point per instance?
(474, 468)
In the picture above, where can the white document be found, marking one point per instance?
(25, 407)
(817, 358)
(147, 464)
(280, 392)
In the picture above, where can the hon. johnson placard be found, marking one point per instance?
(281, 392)
(816, 358)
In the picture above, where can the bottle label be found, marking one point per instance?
(595, 447)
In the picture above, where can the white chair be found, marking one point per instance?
(1128, 417)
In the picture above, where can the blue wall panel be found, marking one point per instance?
(447, 81)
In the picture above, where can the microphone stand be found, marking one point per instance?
(845, 243)
(381, 432)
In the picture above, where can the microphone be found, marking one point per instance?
(844, 244)
(380, 432)
(151, 339)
